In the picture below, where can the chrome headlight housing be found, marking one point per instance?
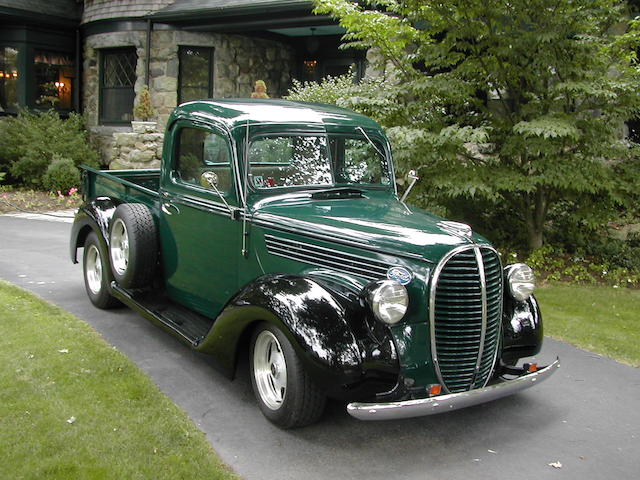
(521, 281)
(388, 300)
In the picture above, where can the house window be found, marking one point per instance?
(117, 78)
(196, 73)
(54, 74)
(8, 79)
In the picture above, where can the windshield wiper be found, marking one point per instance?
(338, 193)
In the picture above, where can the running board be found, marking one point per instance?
(188, 326)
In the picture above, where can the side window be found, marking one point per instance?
(201, 151)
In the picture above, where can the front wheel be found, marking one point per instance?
(285, 393)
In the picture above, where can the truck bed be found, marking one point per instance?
(132, 186)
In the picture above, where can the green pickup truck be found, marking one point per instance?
(274, 230)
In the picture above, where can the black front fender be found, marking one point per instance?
(522, 329)
(319, 326)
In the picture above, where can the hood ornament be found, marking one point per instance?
(457, 228)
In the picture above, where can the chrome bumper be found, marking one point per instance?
(446, 403)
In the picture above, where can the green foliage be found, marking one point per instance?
(61, 175)
(143, 109)
(519, 105)
(31, 141)
(585, 266)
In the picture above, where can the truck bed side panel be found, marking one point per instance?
(125, 186)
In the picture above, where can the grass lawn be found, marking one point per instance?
(71, 406)
(604, 320)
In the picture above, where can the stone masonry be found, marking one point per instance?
(141, 148)
(238, 62)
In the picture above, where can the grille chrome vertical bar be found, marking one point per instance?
(483, 294)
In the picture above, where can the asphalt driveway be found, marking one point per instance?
(586, 417)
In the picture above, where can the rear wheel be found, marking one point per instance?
(285, 393)
(97, 276)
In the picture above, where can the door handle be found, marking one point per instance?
(166, 206)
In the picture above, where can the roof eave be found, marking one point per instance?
(211, 13)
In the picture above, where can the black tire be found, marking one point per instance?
(301, 402)
(133, 245)
(97, 274)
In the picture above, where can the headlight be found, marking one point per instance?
(521, 281)
(388, 301)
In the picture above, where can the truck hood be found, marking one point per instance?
(373, 221)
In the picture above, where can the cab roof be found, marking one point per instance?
(237, 112)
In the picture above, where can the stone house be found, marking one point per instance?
(95, 56)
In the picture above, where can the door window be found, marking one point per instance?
(201, 151)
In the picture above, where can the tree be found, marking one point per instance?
(521, 104)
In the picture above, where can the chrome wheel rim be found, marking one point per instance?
(270, 370)
(119, 247)
(93, 270)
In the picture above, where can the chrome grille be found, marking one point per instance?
(340, 261)
(465, 312)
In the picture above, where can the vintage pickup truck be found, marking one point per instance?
(274, 230)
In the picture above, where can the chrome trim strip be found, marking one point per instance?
(370, 269)
(383, 266)
(446, 403)
(200, 204)
(329, 238)
(483, 296)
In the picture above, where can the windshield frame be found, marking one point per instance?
(371, 135)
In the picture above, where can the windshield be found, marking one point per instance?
(316, 160)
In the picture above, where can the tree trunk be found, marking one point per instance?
(535, 239)
(536, 215)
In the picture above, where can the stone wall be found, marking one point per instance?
(141, 148)
(238, 62)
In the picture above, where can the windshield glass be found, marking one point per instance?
(314, 160)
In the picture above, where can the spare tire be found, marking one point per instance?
(133, 245)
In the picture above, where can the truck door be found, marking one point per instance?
(200, 241)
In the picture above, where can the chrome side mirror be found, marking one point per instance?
(209, 179)
(414, 178)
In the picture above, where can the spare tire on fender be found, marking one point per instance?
(133, 245)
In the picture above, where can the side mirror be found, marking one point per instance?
(210, 180)
(413, 177)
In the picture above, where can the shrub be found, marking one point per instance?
(61, 175)
(30, 141)
(143, 109)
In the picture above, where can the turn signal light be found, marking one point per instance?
(533, 367)
(435, 389)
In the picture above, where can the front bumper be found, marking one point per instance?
(445, 403)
